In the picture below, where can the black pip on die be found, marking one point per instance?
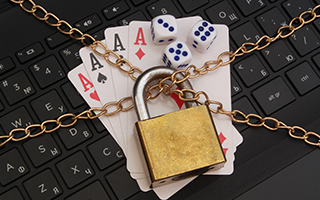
(164, 29)
(201, 36)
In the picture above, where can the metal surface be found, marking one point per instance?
(145, 78)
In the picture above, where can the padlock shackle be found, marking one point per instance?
(139, 89)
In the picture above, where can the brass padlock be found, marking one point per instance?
(176, 145)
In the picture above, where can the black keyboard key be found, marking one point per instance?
(1, 106)
(75, 169)
(144, 195)
(251, 70)
(317, 24)
(75, 135)
(47, 71)
(16, 87)
(106, 152)
(72, 94)
(6, 64)
(273, 95)
(316, 59)
(139, 16)
(88, 23)
(250, 6)
(43, 186)
(304, 40)
(42, 149)
(12, 166)
(115, 9)
(49, 106)
(30, 52)
(191, 5)
(14, 193)
(235, 87)
(303, 78)
(99, 127)
(138, 2)
(245, 33)
(99, 35)
(278, 55)
(56, 39)
(295, 8)
(271, 20)
(18, 118)
(162, 8)
(122, 184)
(71, 55)
(245, 106)
(222, 13)
(94, 191)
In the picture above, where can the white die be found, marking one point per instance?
(177, 55)
(164, 29)
(201, 36)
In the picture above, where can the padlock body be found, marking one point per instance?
(179, 145)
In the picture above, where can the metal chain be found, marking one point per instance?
(192, 71)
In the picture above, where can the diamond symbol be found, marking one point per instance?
(140, 53)
(222, 138)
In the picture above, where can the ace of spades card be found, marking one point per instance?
(101, 76)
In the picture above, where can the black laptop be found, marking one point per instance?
(35, 60)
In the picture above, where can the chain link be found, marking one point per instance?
(191, 72)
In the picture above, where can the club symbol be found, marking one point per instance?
(102, 78)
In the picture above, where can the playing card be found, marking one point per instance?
(117, 40)
(82, 82)
(101, 76)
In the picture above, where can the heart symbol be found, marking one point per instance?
(94, 96)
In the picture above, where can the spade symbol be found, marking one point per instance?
(102, 78)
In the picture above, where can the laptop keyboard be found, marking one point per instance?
(39, 168)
